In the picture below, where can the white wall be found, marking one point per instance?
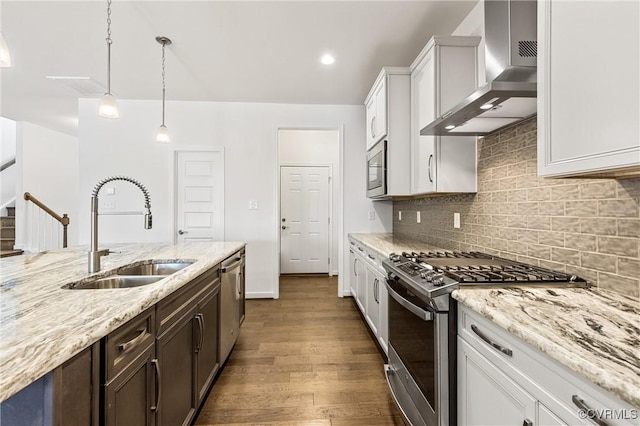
(317, 147)
(248, 133)
(49, 164)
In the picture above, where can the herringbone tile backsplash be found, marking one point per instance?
(587, 227)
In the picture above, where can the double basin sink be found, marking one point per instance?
(131, 276)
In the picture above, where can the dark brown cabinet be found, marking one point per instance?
(207, 348)
(175, 351)
(131, 373)
(187, 347)
(130, 397)
(73, 405)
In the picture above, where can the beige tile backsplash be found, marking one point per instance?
(587, 227)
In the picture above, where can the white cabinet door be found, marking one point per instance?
(588, 85)
(486, 396)
(373, 299)
(372, 110)
(443, 75)
(361, 283)
(353, 278)
(376, 115)
(547, 418)
(380, 123)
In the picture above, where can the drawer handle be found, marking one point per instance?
(588, 412)
(200, 333)
(133, 342)
(360, 248)
(502, 349)
(156, 364)
(371, 257)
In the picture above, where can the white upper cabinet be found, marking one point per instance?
(442, 75)
(388, 113)
(377, 115)
(588, 88)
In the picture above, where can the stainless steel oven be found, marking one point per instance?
(377, 170)
(422, 323)
(420, 344)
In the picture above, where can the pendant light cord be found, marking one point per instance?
(163, 84)
(109, 46)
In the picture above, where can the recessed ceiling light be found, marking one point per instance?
(327, 59)
(486, 106)
(450, 127)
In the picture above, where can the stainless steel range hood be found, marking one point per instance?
(510, 28)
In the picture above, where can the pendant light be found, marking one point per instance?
(108, 107)
(163, 132)
(5, 56)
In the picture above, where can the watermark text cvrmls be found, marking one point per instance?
(609, 414)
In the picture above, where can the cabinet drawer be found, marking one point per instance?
(126, 343)
(172, 308)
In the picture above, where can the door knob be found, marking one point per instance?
(284, 220)
(284, 227)
(181, 232)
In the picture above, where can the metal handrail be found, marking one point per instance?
(64, 219)
(8, 164)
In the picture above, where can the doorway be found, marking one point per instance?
(309, 192)
(305, 219)
(199, 196)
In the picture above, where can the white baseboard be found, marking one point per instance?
(260, 295)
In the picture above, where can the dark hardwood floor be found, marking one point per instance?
(304, 359)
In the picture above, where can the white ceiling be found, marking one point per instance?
(262, 51)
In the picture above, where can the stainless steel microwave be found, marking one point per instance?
(377, 170)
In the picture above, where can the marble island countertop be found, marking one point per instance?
(43, 325)
(593, 332)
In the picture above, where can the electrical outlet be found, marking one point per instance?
(399, 215)
(253, 204)
(456, 220)
(110, 190)
(108, 204)
(372, 215)
(418, 219)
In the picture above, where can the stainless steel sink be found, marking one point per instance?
(153, 268)
(117, 281)
(132, 276)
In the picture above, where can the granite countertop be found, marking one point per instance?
(593, 332)
(43, 325)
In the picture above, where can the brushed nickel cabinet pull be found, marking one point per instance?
(133, 342)
(579, 402)
(497, 346)
(156, 364)
(199, 321)
(429, 167)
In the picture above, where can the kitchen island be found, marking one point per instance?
(591, 332)
(42, 324)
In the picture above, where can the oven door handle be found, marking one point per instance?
(421, 313)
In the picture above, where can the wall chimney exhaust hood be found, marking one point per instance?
(511, 46)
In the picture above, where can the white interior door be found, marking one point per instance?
(199, 196)
(304, 220)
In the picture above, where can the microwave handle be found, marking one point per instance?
(421, 313)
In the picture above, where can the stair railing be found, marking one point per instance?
(63, 220)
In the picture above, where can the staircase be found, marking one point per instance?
(8, 234)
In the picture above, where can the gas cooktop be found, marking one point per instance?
(439, 272)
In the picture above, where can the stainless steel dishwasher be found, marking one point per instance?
(231, 295)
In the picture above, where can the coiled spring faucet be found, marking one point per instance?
(94, 253)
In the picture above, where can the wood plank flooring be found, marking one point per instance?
(304, 359)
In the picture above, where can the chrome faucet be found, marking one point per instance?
(94, 253)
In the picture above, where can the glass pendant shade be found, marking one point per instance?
(163, 134)
(108, 107)
(5, 56)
